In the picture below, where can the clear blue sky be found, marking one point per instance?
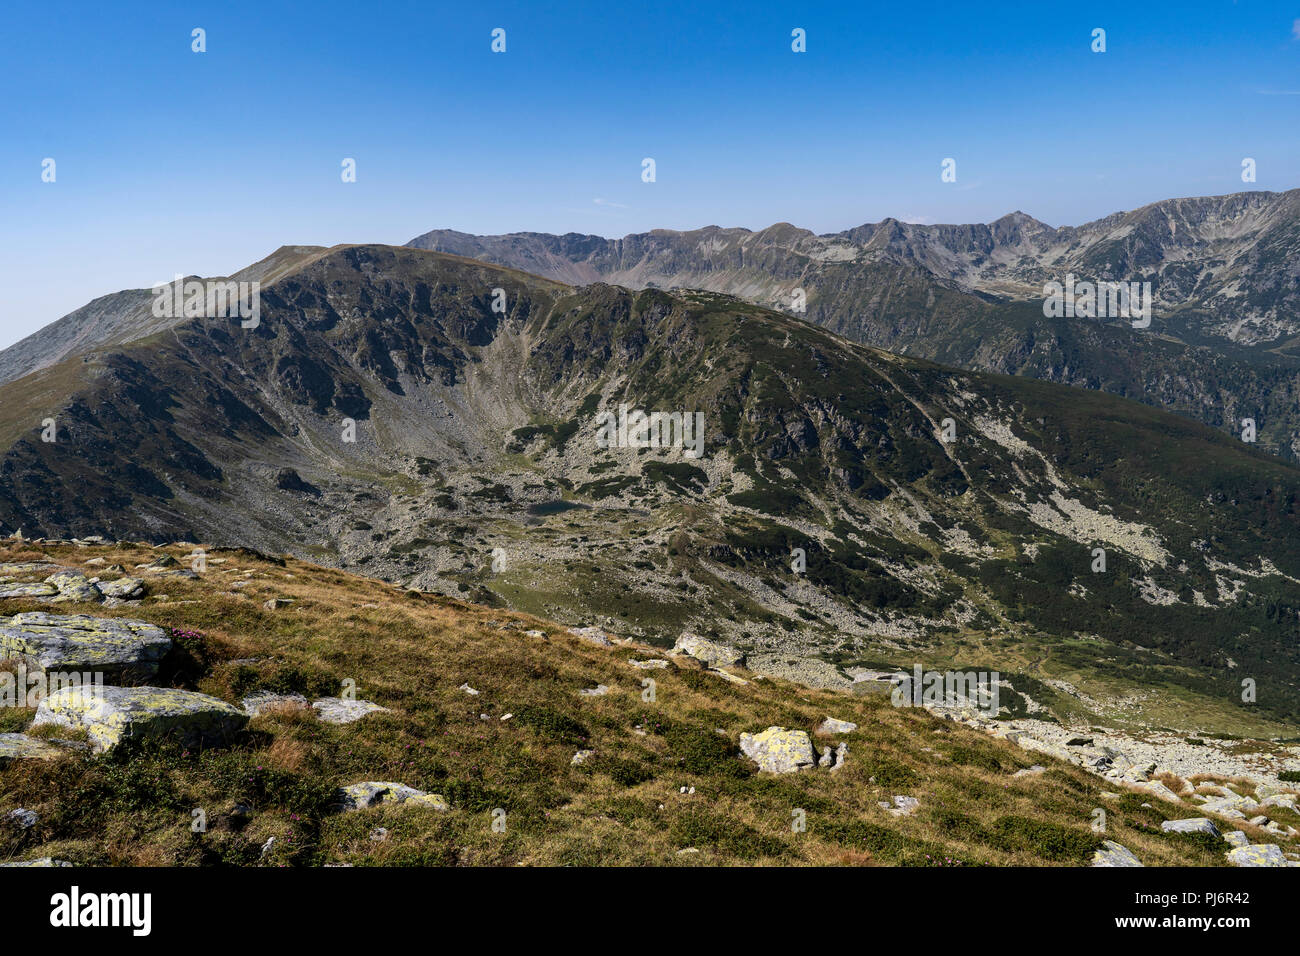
(172, 161)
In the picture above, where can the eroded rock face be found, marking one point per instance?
(374, 793)
(711, 653)
(778, 750)
(1257, 854)
(119, 650)
(111, 715)
(1114, 854)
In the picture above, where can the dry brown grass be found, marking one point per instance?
(411, 653)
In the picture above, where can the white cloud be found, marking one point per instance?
(1295, 29)
(608, 202)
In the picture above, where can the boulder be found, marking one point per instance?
(1158, 789)
(14, 590)
(1113, 854)
(125, 589)
(375, 793)
(256, 704)
(833, 726)
(594, 635)
(1194, 825)
(338, 710)
(74, 586)
(710, 653)
(1237, 838)
(1257, 854)
(778, 750)
(111, 715)
(22, 747)
(114, 648)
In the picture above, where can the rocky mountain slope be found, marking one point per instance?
(850, 508)
(293, 715)
(1224, 271)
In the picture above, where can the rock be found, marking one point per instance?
(841, 752)
(581, 757)
(126, 589)
(594, 635)
(902, 806)
(778, 750)
(25, 567)
(1258, 821)
(111, 715)
(1033, 771)
(27, 590)
(118, 649)
(1257, 854)
(467, 689)
(600, 690)
(1156, 788)
(653, 664)
(1113, 854)
(711, 653)
(360, 796)
(827, 756)
(1225, 806)
(74, 586)
(832, 726)
(274, 604)
(23, 819)
(1194, 825)
(1237, 838)
(1079, 742)
(42, 861)
(1287, 800)
(337, 710)
(255, 704)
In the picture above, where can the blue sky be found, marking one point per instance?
(170, 161)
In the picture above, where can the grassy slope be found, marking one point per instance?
(411, 652)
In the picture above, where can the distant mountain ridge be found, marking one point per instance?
(1225, 273)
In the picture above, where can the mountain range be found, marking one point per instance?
(434, 420)
(1224, 272)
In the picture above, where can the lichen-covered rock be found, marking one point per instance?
(778, 750)
(1257, 854)
(374, 793)
(338, 710)
(833, 726)
(1237, 838)
(42, 861)
(74, 586)
(22, 747)
(712, 653)
(595, 635)
(653, 664)
(1114, 854)
(12, 590)
(125, 589)
(114, 648)
(1160, 790)
(1194, 825)
(256, 704)
(111, 715)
